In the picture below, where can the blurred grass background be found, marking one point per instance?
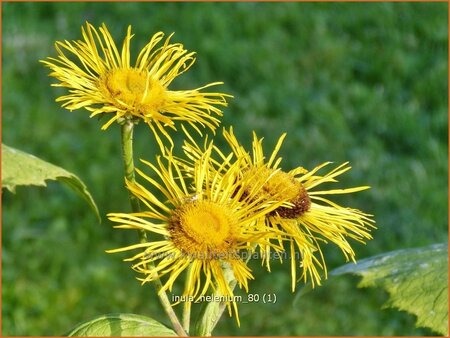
(365, 83)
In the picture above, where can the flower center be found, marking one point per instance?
(202, 228)
(281, 185)
(133, 90)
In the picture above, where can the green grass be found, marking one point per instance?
(365, 83)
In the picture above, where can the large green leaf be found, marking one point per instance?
(20, 168)
(121, 324)
(416, 280)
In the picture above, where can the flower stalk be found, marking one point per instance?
(128, 161)
(213, 311)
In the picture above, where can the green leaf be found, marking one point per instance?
(121, 324)
(416, 280)
(20, 168)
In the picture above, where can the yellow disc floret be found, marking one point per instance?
(134, 90)
(202, 228)
(279, 184)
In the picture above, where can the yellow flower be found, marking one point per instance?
(101, 79)
(310, 219)
(203, 227)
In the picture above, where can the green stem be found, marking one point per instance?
(221, 309)
(211, 313)
(127, 152)
(186, 315)
(186, 319)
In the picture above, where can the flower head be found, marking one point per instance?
(307, 218)
(204, 225)
(101, 79)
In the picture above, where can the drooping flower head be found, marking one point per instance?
(310, 218)
(101, 79)
(204, 225)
